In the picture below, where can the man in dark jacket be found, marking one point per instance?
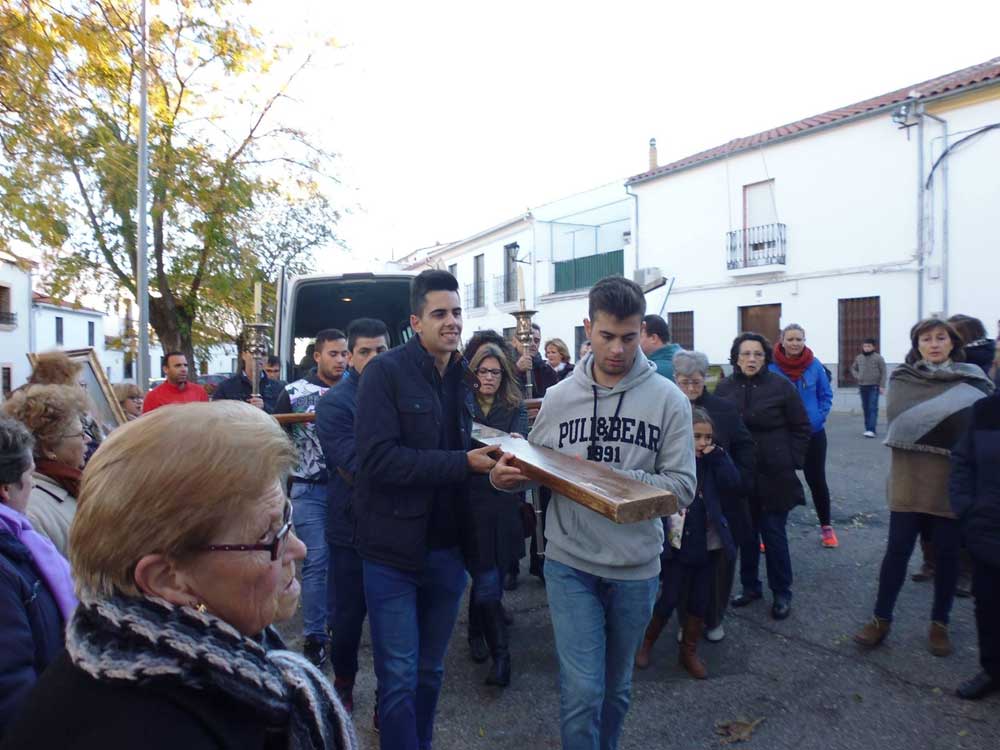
(974, 490)
(413, 432)
(238, 388)
(529, 358)
(366, 339)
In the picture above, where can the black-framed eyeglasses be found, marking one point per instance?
(484, 371)
(275, 546)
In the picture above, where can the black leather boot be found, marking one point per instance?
(477, 645)
(495, 630)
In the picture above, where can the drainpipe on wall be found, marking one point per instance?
(635, 229)
(944, 215)
(920, 218)
(31, 311)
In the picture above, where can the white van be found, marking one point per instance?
(308, 304)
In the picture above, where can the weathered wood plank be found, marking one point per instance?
(295, 418)
(617, 497)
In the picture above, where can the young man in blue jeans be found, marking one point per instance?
(308, 492)
(366, 339)
(602, 577)
(413, 439)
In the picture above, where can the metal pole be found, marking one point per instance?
(142, 269)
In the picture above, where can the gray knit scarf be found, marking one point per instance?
(929, 405)
(139, 640)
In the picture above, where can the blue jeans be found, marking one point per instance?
(310, 503)
(347, 609)
(770, 529)
(869, 405)
(598, 624)
(486, 586)
(411, 616)
(904, 528)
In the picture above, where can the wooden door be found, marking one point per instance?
(859, 318)
(762, 319)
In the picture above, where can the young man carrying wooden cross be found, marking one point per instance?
(602, 577)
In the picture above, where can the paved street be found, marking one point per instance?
(804, 677)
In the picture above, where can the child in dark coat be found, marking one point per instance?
(696, 537)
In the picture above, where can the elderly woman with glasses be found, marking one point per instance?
(184, 555)
(494, 527)
(691, 371)
(772, 410)
(53, 414)
(130, 399)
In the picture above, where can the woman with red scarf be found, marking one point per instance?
(796, 361)
(53, 415)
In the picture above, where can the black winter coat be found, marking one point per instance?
(773, 411)
(544, 377)
(735, 438)
(718, 477)
(335, 428)
(412, 464)
(237, 388)
(70, 710)
(31, 626)
(492, 519)
(974, 486)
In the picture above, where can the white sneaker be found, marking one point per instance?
(680, 635)
(868, 434)
(715, 634)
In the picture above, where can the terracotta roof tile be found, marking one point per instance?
(987, 71)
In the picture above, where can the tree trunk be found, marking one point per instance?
(171, 328)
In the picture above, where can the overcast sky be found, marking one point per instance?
(451, 116)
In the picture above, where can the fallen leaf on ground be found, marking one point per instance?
(738, 730)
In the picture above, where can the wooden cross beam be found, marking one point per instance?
(615, 496)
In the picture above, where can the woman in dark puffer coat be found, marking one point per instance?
(773, 412)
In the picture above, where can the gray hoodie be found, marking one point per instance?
(643, 430)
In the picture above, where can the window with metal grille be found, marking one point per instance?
(6, 380)
(59, 331)
(583, 273)
(479, 281)
(858, 318)
(682, 328)
(90, 333)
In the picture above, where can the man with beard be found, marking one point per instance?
(413, 435)
(175, 389)
(309, 480)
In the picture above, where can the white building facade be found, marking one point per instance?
(15, 321)
(854, 223)
(559, 250)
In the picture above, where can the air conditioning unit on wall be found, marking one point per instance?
(644, 276)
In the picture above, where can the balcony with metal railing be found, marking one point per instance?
(505, 289)
(8, 318)
(757, 249)
(475, 295)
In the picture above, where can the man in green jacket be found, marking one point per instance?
(655, 343)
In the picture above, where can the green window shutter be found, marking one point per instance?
(583, 273)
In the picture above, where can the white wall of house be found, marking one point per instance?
(80, 329)
(15, 324)
(849, 198)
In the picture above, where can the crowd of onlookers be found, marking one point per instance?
(175, 547)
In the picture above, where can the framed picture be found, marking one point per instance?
(108, 411)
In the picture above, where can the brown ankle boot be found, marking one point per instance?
(693, 628)
(937, 639)
(873, 633)
(653, 631)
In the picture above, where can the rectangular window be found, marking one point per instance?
(4, 299)
(453, 270)
(59, 330)
(6, 380)
(90, 333)
(858, 318)
(510, 272)
(508, 334)
(479, 281)
(759, 207)
(682, 328)
(127, 367)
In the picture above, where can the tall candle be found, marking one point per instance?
(520, 285)
(256, 301)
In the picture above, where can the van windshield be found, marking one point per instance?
(334, 302)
